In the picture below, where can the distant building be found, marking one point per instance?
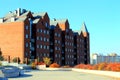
(29, 36)
(98, 58)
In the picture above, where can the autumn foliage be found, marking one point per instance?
(54, 65)
(100, 66)
(83, 66)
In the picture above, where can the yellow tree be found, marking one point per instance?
(47, 61)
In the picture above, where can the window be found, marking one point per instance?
(47, 47)
(41, 30)
(59, 41)
(55, 34)
(56, 55)
(26, 54)
(44, 54)
(44, 47)
(37, 46)
(47, 40)
(26, 27)
(37, 30)
(59, 55)
(47, 32)
(37, 37)
(26, 44)
(47, 55)
(55, 41)
(41, 38)
(26, 36)
(44, 31)
(58, 35)
(46, 24)
(44, 39)
(55, 48)
(41, 46)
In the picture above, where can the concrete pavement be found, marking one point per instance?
(59, 75)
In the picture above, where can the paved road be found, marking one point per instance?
(59, 75)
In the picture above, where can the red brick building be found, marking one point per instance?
(28, 36)
(55, 42)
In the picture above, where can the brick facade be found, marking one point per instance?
(30, 36)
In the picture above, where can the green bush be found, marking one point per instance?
(0, 63)
(15, 59)
(1, 58)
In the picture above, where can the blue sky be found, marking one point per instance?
(102, 18)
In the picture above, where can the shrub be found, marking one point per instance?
(33, 65)
(0, 63)
(1, 58)
(84, 66)
(14, 59)
(54, 65)
(47, 61)
(102, 66)
(40, 63)
(113, 67)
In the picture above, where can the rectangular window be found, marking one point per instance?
(55, 41)
(56, 55)
(37, 46)
(26, 54)
(26, 27)
(47, 47)
(41, 46)
(41, 38)
(26, 36)
(47, 32)
(44, 54)
(37, 37)
(58, 35)
(47, 40)
(44, 31)
(44, 39)
(41, 30)
(26, 44)
(44, 46)
(37, 30)
(55, 34)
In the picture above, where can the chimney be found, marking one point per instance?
(54, 19)
(18, 11)
(1, 20)
(23, 10)
(12, 19)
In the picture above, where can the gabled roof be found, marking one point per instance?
(25, 14)
(52, 22)
(84, 28)
(22, 18)
(36, 20)
(40, 14)
(61, 20)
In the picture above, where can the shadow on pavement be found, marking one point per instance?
(23, 76)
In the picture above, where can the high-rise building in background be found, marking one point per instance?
(110, 58)
(27, 36)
